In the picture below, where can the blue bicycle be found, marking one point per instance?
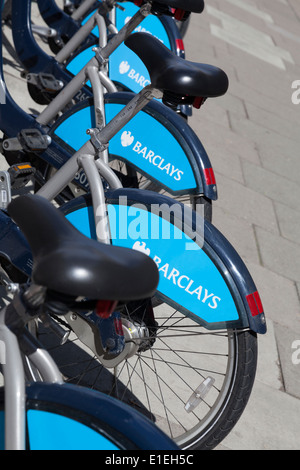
(125, 69)
(48, 414)
(182, 167)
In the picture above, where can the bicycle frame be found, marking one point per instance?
(55, 18)
(97, 65)
(222, 255)
(85, 159)
(68, 24)
(14, 119)
(84, 8)
(35, 60)
(91, 157)
(125, 68)
(14, 377)
(91, 71)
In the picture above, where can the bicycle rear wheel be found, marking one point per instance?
(170, 360)
(159, 382)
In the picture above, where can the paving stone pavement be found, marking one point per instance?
(252, 137)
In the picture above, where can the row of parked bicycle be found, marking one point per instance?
(130, 321)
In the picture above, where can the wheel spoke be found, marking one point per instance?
(160, 379)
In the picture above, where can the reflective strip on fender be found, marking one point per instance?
(255, 304)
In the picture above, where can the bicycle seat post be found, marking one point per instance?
(106, 48)
(129, 27)
(81, 35)
(97, 192)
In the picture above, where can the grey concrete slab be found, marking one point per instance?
(233, 103)
(259, 212)
(251, 206)
(213, 113)
(280, 156)
(270, 422)
(238, 231)
(278, 254)
(259, 133)
(276, 187)
(289, 222)
(228, 140)
(278, 124)
(286, 110)
(279, 296)
(227, 162)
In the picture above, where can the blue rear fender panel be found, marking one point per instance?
(211, 284)
(219, 250)
(178, 161)
(109, 411)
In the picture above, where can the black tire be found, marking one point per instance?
(237, 396)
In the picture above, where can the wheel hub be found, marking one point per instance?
(137, 339)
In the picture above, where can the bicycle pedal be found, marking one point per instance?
(32, 140)
(45, 81)
(5, 189)
(50, 83)
(20, 175)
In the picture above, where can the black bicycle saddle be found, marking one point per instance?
(174, 74)
(194, 6)
(67, 262)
